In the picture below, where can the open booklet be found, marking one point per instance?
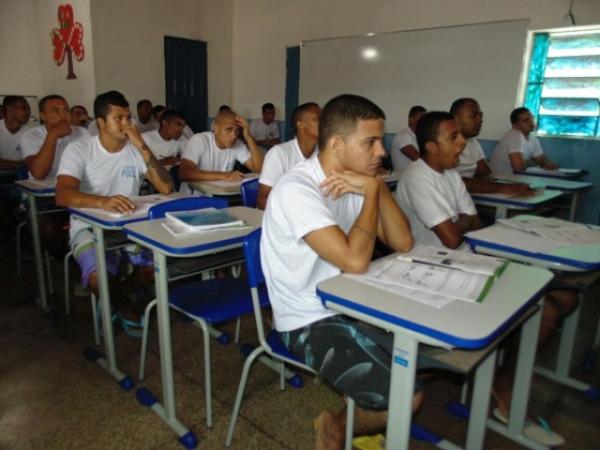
(200, 221)
(142, 203)
(436, 276)
(559, 232)
(563, 171)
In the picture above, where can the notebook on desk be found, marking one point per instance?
(435, 276)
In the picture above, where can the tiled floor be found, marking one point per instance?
(52, 398)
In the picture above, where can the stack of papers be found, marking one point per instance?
(559, 232)
(435, 276)
(200, 221)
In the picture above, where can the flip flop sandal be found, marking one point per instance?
(541, 432)
(132, 328)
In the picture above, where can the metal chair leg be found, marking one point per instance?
(95, 318)
(66, 280)
(145, 334)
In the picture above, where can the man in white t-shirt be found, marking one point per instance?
(519, 148)
(323, 218)
(43, 146)
(103, 172)
(14, 124)
(167, 142)
(79, 116)
(404, 146)
(473, 167)
(282, 157)
(430, 191)
(211, 156)
(265, 130)
(435, 199)
(145, 121)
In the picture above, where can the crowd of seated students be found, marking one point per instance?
(325, 206)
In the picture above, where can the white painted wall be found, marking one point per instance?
(79, 91)
(129, 48)
(20, 67)
(26, 51)
(262, 29)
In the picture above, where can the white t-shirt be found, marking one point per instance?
(514, 141)
(151, 125)
(187, 132)
(469, 158)
(9, 142)
(203, 151)
(429, 198)
(401, 140)
(93, 128)
(33, 139)
(162, 149)
(261, 131)
(281, 158)
(101, 172)
(292, 269)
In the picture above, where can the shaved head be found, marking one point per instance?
(224, 116)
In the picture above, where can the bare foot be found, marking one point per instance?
(330, 436)
(502, 397)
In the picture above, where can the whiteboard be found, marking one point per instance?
(431, 67)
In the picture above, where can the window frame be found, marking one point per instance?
(523, 80)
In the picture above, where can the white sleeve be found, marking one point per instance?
(194, 148)
(72, 162)
(272, 169)
(536, 148)
(428, 204)
(242, 154)
(303, 208)
(276, 130)
(465, 202)
(30, 143)
(515, 143)
(181, 145)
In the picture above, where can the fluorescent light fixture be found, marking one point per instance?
(370, 53)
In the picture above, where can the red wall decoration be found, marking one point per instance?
(67, 40)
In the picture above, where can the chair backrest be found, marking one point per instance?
(249, 193)
(186, 204)
(252, 256)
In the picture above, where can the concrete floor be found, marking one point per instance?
(53, 398)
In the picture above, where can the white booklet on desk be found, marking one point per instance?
(435, 276)
(200, 221)
(560, 232)
(233, 185)
(563, 171)
(142, 203)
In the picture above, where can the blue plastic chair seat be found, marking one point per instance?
(276, 344)
(225, 299)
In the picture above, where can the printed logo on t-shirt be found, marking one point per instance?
(128, 172)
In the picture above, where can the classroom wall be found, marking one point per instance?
(20, 73)
(79, 91)
(26, 51)
(129, 48)
(263, 28)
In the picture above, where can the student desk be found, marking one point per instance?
(503, 203)
(34, 189)
(568, 259)
(453, 325)
(558, 173)
(572, 188)
(100, 221)
(221, 188)
(153, 235)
